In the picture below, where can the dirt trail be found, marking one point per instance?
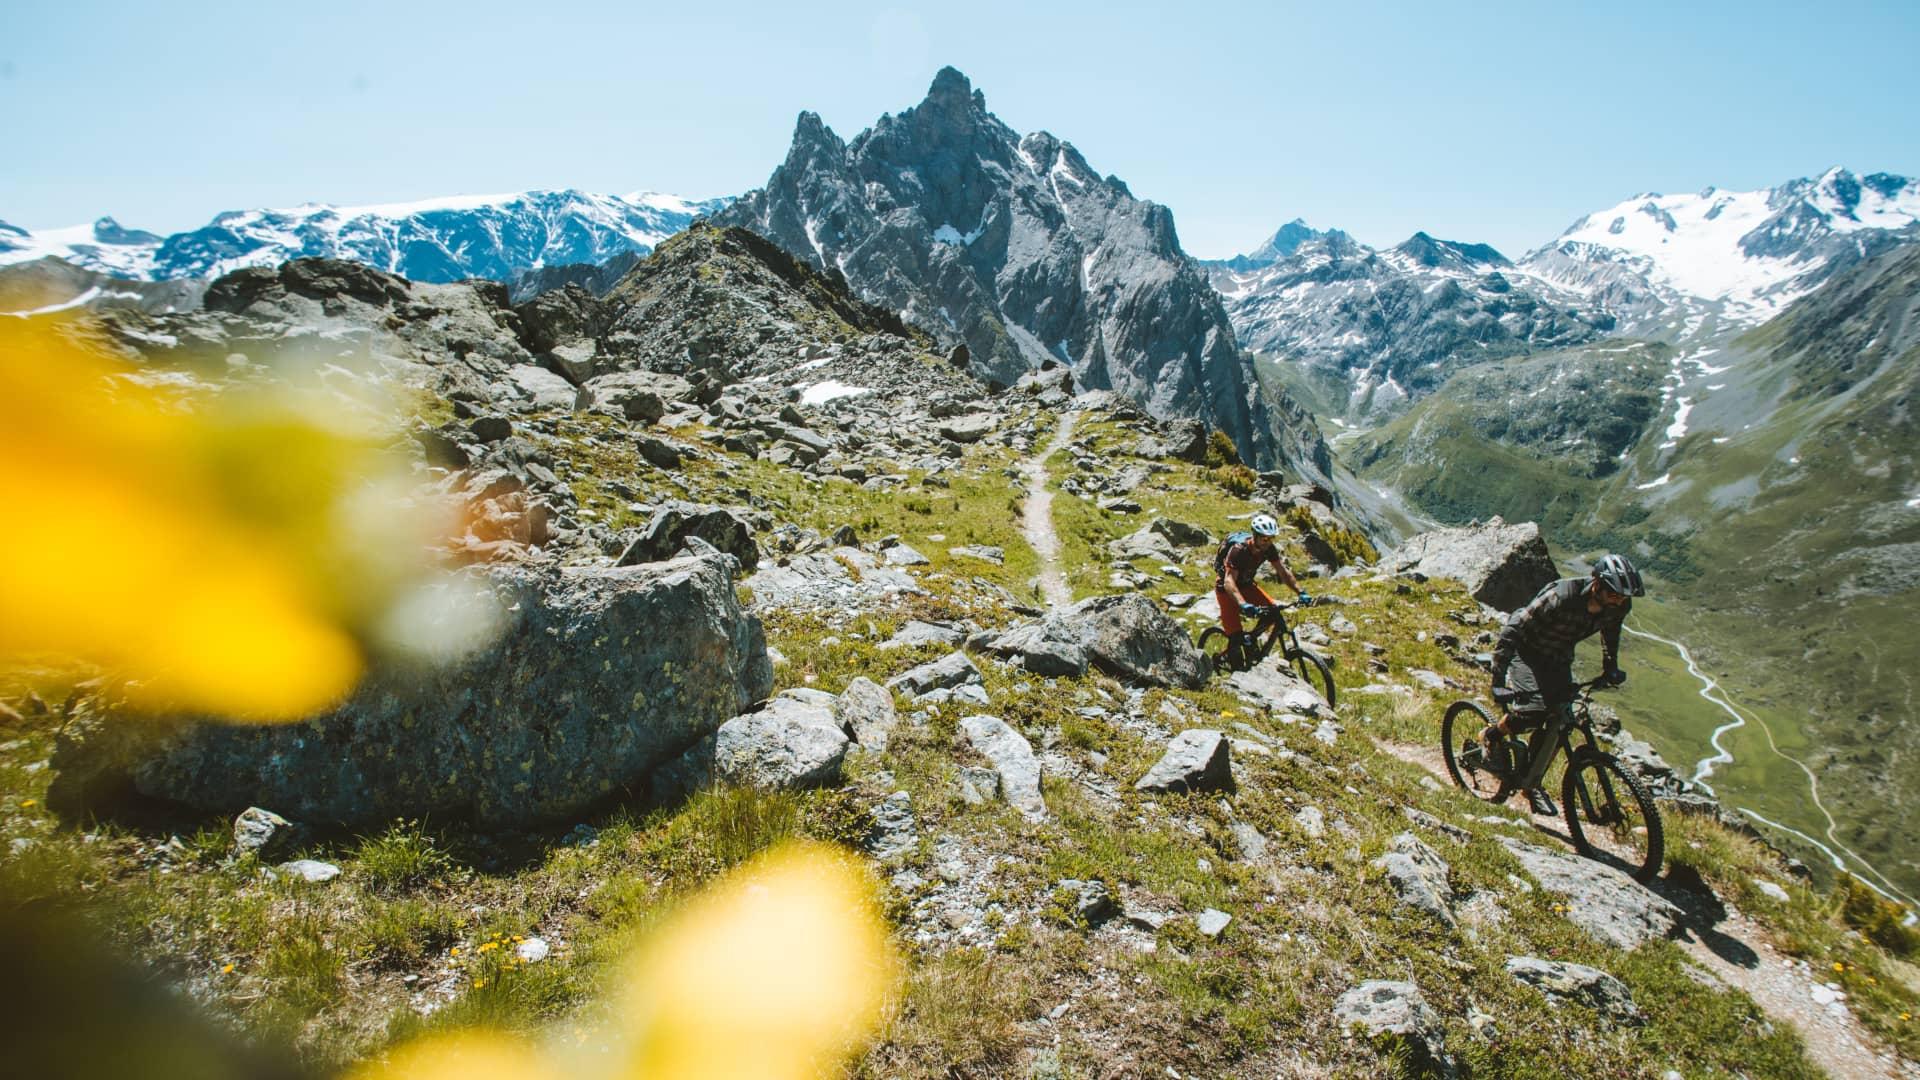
(1036, 516)
(1734, 950)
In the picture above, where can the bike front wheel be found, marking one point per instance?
(1220, 649)
(1315, 673)
(1460, 745)
(1611, 817)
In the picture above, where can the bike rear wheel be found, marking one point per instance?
(1611, 817)
(1315, 673)
(1219, 648)
(1460, 745)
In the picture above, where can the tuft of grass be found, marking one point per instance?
(401, 857)
(959, 1014)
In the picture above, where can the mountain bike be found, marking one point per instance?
(1610, 815)
(1270, 631)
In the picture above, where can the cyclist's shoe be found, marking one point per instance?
(1542, 804)
(1493, 751)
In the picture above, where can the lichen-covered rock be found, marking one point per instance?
(1419, 875)
(1391, 1008)
(866, 709)
(1577, 982)
(1195, 760)
(598, 676)
(1611, 907)
(794, 741)
(1013, 762)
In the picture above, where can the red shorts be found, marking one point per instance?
(1230, 611)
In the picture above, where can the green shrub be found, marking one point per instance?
(1879, 919)
(1221, 451)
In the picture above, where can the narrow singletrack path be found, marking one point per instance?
(1836, 1040)
(1036, 516)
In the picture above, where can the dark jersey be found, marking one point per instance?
(1555, 621)
(1238, 560)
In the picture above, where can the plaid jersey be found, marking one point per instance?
(1555, 621)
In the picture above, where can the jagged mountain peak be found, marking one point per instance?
(1427, 251)
(1018, 249)
(108, 231)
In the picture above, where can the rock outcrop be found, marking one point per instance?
(1127, 636)
(599, 675)
(1502, 565)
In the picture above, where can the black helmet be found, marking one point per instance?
(1616, 573)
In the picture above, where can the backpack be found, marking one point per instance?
(1232, 541)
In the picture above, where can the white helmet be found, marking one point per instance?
(1265, 525)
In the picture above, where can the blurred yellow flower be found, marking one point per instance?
(777, 972)
(469, 1056)
(216, 549)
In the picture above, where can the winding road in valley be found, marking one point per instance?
(1711, 691)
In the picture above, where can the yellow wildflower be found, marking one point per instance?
(268, 551)
(479, 984)
(488, 946)
(455, 951)
(28, 804)
(226, 969)
(1838, 966)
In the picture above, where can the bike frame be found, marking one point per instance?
(1557, 735)
(1268, 631)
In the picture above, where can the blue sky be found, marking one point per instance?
(1498, 123)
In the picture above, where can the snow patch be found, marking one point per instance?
(65, 305)
(1678, 429)
(822, 392)
(1665, 478)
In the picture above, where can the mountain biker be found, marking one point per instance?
(1533, 662)
(1236, 565)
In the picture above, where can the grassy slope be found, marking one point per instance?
(327, 968)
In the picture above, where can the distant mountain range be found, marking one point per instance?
(437, 241)
(1688, 270)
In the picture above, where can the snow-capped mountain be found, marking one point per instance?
(438, 240)
(1014, 247)
(1281, 244)
(1681, 268)
(1391, 323)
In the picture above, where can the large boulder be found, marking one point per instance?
(1126, 636)
(599, 675)
(1502, 565)
(675, 521)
